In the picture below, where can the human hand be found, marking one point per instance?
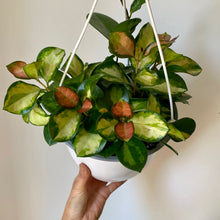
(88, 196)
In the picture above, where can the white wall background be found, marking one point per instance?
(36, 179)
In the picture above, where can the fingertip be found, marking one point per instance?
(84, 171)
(82, 177)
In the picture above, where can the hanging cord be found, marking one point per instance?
(162, 59)
(78, 42)
(125, 9)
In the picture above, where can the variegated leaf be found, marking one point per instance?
(177, 85)
(76, 66)
(138, 104)
(111, 71)
(106, 128)
(31, 70)
(38, 116)
(87, 144)
(121, 44)
(144, 38)
(16, 68)
(50, 59)
(21, 97)
(133, 154)
(149, 126)
(153, 104)
(146, 78)
(184, 65)
(181, 129)
(64, 124)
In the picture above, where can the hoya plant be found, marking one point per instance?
(115, 107)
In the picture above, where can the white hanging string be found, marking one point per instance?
(125, 8)
(157, 40)
(78, 42)
(162, 58)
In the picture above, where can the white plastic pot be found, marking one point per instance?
(107, 170)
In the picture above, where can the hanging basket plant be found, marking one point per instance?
(116, 107)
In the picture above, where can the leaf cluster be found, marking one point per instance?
(83, 110)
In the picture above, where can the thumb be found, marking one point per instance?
(82, 177)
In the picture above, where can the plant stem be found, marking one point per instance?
(42, 84)
(134, 90)
(170, 148)
(136, 72)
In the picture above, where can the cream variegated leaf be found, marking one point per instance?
(64, 124)
(21, 97)
(86, 144)
(149, 126)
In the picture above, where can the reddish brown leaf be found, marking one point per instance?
(121, 44)
(85, 106)
(66, 97)
(125, 130)
(165, 40)
(122, 110)
(16, 68)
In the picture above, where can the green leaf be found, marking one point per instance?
(175, 134)
(111, 149)
(177, 85)
(26, 117)
(111, 72)
(74, 83)
(153, 104)
(106, 128)
(87, 87)
(97, 93)
(50, 59)
(146, 78)
(47, 136)
(165, 112)
(127, 26)
(184, 65)
(121, 44)
(182, 129)
(49, 103)
(117, 93)
(21, 97)
(38, 116)
(146, 61)
(76, 66)
(138, 104)
(64, 124)
(170, 55)
(89, 69)
(133, 154)
(183, 98)
(103, 24)
(149, 126)
(104, 103)
(136, 5)
(87, 144)
(90, 122)
(57, 78)
(31, 70)
(143, 40)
